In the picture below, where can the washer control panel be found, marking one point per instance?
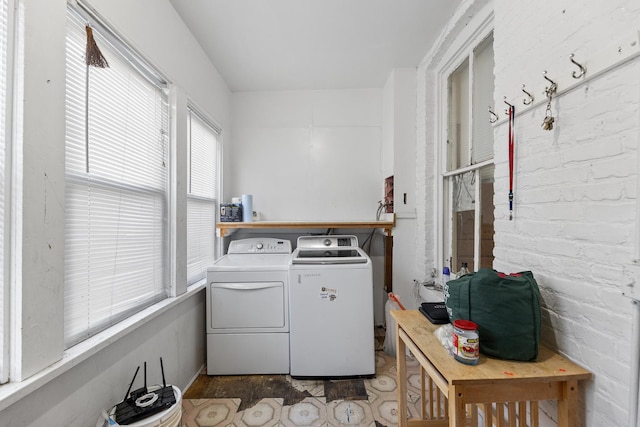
(327, 241)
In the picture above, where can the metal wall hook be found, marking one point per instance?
(583, 69)
(529, 99)
(550, 90)
(510, 106)
(493, 117)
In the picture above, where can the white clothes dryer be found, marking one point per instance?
(247, 309)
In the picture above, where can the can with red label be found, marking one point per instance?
(466, 342)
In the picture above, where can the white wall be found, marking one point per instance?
(388, 129)
(79, 389)
(575, 187)
(307, 155)
(399, 160)
(310, 155)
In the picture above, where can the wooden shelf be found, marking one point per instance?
(225, 227)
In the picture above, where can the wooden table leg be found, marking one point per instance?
(568, 405)
(401, 364)
(457, 414)
(423, 388)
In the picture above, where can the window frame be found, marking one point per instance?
(462, 50)
(6, 219)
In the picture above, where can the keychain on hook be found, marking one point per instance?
(547, 123)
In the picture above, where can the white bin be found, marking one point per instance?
(170, 417)
(390, 335)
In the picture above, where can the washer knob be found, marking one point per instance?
(327, 242)
(259, 245)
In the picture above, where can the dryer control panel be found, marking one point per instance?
(260, 246)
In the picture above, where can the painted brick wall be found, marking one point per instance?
(424, 178)
(575, 186)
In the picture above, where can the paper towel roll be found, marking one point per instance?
(247, 208)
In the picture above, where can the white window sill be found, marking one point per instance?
(11, 392)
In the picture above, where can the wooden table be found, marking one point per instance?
(504, 390)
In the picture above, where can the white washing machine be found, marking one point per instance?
(331, 308)
(248, 309)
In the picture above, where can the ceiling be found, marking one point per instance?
(261, 45)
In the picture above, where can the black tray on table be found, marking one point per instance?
(436, 312)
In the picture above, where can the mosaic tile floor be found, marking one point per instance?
(380, 409)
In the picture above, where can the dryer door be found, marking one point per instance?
(249, 306)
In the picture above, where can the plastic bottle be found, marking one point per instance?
(446, 276)
(463, 270)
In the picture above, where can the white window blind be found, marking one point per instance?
(201, 200)
(4, 284)
(116, 186)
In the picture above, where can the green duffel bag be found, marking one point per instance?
(506, 309)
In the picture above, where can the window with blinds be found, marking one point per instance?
(116, 234)
(4, 130)
(202, 194)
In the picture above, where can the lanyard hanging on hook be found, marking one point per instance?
(512, 116)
